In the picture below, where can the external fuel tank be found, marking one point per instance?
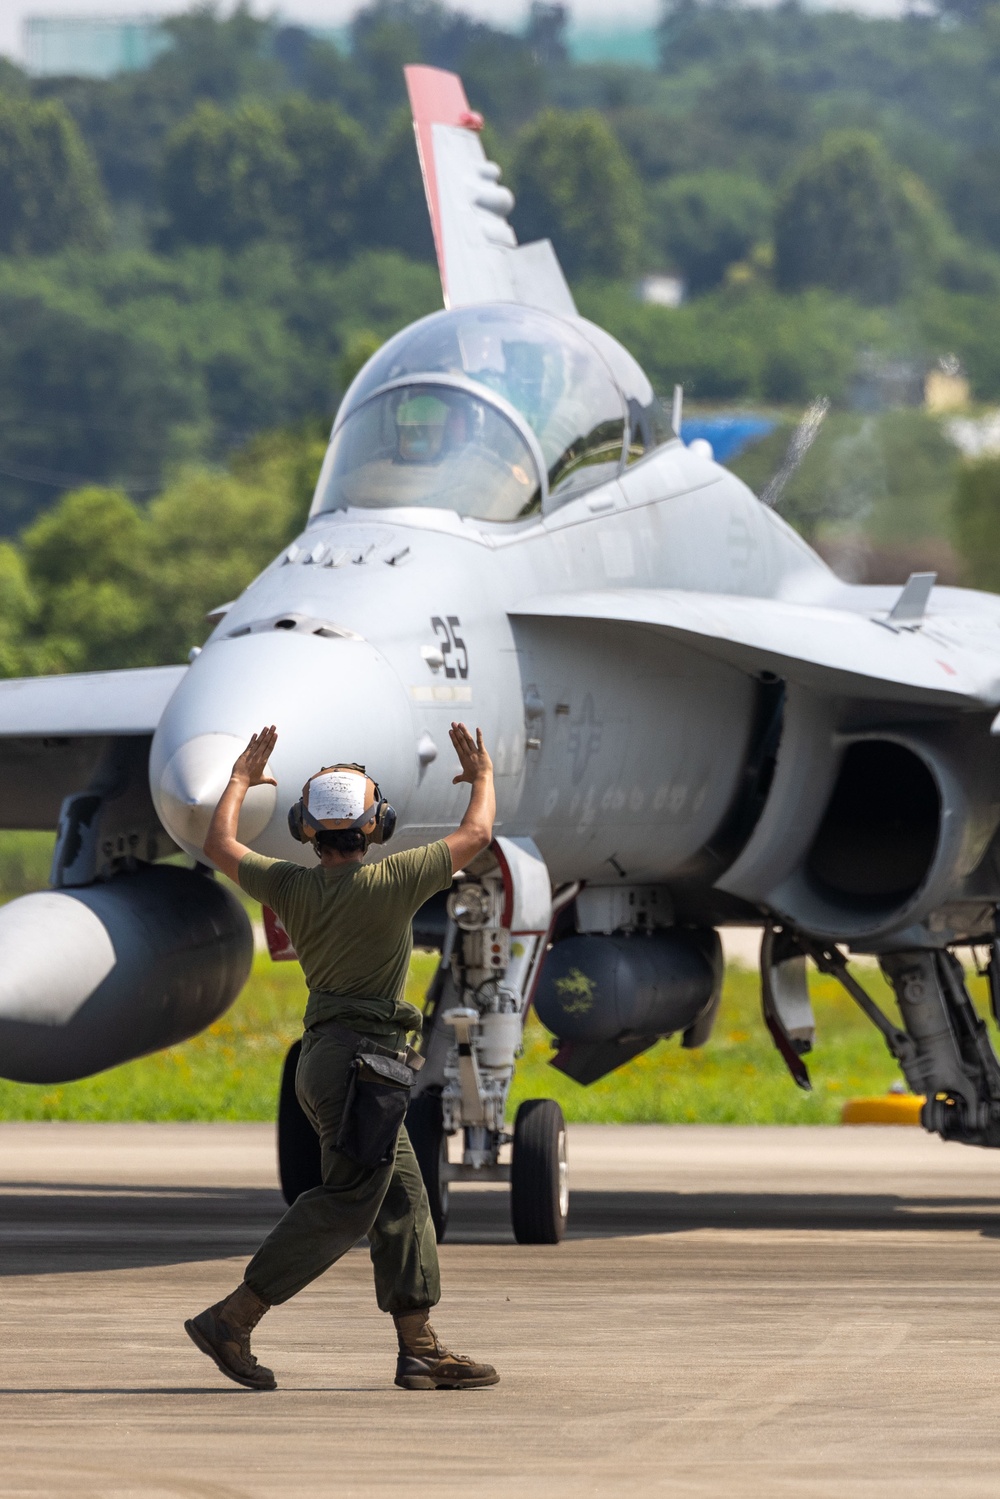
(95, 976)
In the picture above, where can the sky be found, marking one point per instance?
(509, 13)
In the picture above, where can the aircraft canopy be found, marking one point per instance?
(517, 390)
(431, 445)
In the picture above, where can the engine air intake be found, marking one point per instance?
(879, 834)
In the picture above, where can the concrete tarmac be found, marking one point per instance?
(800, 1312)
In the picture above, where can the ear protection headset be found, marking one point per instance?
(303, 826)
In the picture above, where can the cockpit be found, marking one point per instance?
(493, 412)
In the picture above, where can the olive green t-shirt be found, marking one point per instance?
(350, 926)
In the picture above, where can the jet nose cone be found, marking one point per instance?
(331, 700)
(194, 779)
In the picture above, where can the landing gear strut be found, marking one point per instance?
(943, 1047)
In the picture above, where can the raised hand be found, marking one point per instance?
(472, 754)
(250, 766)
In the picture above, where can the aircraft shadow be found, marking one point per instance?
(46, 1229)
(480, 1217)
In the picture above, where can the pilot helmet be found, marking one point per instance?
(421, 424)
(342, 798)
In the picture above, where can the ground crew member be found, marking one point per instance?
(350, 923)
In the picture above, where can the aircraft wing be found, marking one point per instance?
(87, 703)
(54, 731)
(829, 650)
(478, 256)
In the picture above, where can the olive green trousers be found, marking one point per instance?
(388, 1203)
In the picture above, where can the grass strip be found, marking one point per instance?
(231, 1071)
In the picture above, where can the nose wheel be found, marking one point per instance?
(539, 1175)
(430, 1146)
(299, 1168)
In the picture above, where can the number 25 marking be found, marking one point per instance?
(451, 641)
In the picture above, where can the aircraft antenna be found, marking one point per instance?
(677, 411)
(802, 440)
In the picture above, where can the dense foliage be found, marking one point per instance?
(977, 521)
(99, 581)
(50, 193)
(840, 223)
(576, 185)
(702, 223)
(209, 248)
(114, 368)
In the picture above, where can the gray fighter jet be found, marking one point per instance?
(694, 723)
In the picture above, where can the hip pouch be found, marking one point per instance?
(378, 1093)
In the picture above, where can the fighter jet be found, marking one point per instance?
(694, 723)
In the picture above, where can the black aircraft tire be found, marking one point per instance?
(298, 1143)
(430, 1146)
(539, 1186)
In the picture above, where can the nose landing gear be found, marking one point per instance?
(500, 916)
(538, 1170)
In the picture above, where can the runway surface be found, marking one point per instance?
(801, 1312)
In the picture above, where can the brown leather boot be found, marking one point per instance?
(425, 1364)
(223, 1332)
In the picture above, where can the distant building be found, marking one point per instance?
(661, 291)
(882, 384)
(91, 46)
(946, 387)
(630, 46)
(886, 384)
(976, 437)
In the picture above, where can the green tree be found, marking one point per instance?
(703, 222)
(385, 36)
(396, 215)
(976, 521)
(100, 582)
(842, 222)
(575, 185)
(746, 119)
(50, 193)
(84, 396)
(116, 367)
(742, 343)
(331, 174)
(226, 176)
(316, 67)
(359, 348)
(87, 560)
(503, 78)
(17, 612)
(125, 119)
(210, 533)
(224, 58)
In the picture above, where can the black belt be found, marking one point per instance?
(360, 1042)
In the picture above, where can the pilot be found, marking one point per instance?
(350, 923)
(422, 427)
(429, 429)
